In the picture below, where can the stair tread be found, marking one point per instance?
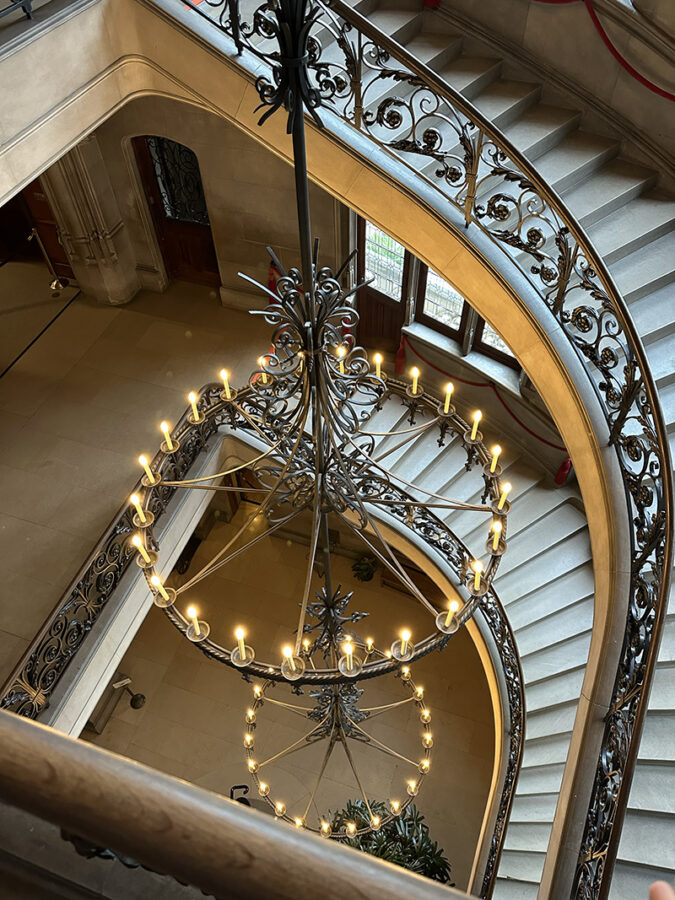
(610, 188)
(633, 224)
(576, 153)
(467, 72)
(649, 265)
(537, 124)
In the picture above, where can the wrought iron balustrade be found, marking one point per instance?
(368, 80)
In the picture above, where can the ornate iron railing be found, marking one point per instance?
(368, 80)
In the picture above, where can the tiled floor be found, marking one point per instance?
(77, 409)
(192, 725)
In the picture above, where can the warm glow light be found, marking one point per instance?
(156, 583)
(279, 808)
(395, 807)
(427, 739)
(248, 740)
(257, 691)
(135, 501)
(477, 567)
(138, 544)
(325, 828)
(506, 490)
(425, 716)
(405, 672)
(261, 365)
(425, 765)
(288, 653)
(415, 372)
(192, 614)
(192, 397)
(225, 375)
(369, 645)
(250, 716)
(167, 437)
(263, 789)
(420, 692)
(143, 460)
(239, 634)
(375, 822)
(351, 828)
(452, 609)
(349, 654)
(252, 765)
(341, 353)
(497, 532)
(299, 823)
(378, 364)
(477, 416)
(496, 450)
(405, 637)
(449, 388)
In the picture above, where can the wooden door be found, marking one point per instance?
(381, 309)
(31, 209)
(173, 188)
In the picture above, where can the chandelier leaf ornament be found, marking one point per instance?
(305, 412)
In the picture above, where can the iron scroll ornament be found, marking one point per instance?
(408, 111)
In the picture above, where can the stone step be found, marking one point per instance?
(635, 225)
(523, 865)
(541, 128)
(514, 889)
(470, 74)
(612, 187)
(667, 398)
(503, 102)
(553, 562)
(660, 354)
(565, 654)
(662, 694)
(541, 779)
(548, 750)
(528, 836)
(647, 838)
(562, 688)
(558, 626)
(575, 158)
(657, 743)
(560, 593)
(562, 522)
(631, 881)
(653, 314)
(653, 787)
(434, 48)
(557, 719)
(646, 270)
(667, 648)
(401, 23)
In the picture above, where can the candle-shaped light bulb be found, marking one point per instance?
(506, 490)
(452, 609)
(257, 691)
(497, 533)
(157, 584)
(425, 716)
(138, 544)
(225, 375)
(477, 416)
(405, 637)
(263, 789)
(305, 645)
(299, 823)
(288, 653)
(248, 739)
(375, 822)
(369, 645)
(348, 649)
(395, 807)
(449, 388)
(425, 765)
(405, 672)
(192, 397)
(239, 634)
(427, 740)
(164, 426)
(325, 828)
(135, 501)
(261, 365)
(419, 692)
(378, 364)
(415, 372)
(496, 450)
(351, 828)
(341, 353)
(143, 460)
(192, 614)
(477, 567)
(279, 808)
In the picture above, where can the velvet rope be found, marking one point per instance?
(618, 56)
(489, 384)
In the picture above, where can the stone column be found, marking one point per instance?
(90, 224)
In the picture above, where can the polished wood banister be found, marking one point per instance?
(173, 827)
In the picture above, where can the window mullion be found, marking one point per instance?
(468, 330)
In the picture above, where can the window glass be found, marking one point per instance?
(492, 339)
(180, 186)
(442, 302)
(384, 262)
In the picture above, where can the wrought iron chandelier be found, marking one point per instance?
(305, 412)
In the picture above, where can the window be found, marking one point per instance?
(178, 180)
(437, 304)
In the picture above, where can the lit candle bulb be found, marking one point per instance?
(143, 460)
(496, 450)
(415, 372)
(138, 544)
(261, 365)
(305, 645)
(167, 437)
(349, 654)
(378, 364)
(405, 672)
(506, 490)
(477, 567)
(419, 692)
(288, 653)
(369, 645)
(325, 828)
(449, 388)
(341, 353)
(192, 614)
(257, 691)
(425, 765)
(156, 583)
(405, 637)
(239, 634)
(375, 822)
(279, 808)
(192, 397)
(135, 501)
(452, 609)
(497, 533)
(428, 740)
(248, 739)
(395, 807)
(225, 375)
(351, 828)
(477, 416)
(263, 789)
(425, 716)
(299, 823)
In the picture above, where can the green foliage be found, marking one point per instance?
(404, 841)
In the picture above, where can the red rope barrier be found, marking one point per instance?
(618, 56)
(490, 384)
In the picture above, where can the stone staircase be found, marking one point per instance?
(545, 582)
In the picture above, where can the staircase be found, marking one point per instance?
(545, 582)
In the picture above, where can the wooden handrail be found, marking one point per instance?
(173, 827)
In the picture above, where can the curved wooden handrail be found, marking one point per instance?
(178, 829)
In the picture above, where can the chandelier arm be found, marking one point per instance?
(412, 430)
(295, 745)
(304, 709)
(216, 487)
(378, 745)
(214, 565)
(310, 563)
(188, 482)
(451, 504)
(348, 754)
(405, 440)
(327, 755)
(385, 707)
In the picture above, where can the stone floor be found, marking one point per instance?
(77, 409)
(192, 724)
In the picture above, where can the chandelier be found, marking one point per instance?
(305, 412)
